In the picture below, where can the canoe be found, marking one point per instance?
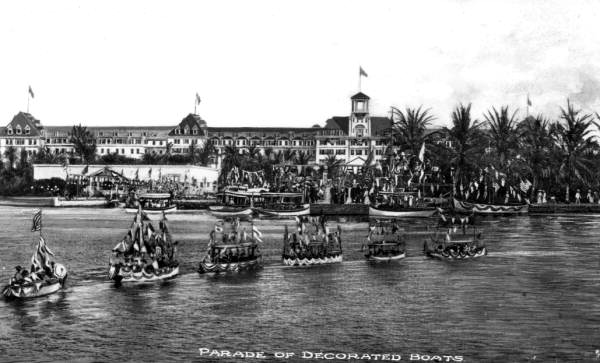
(34, 289)
(170, 209)
(489, 209)
(402, 212)
(226, 211)
(305, 261)
(217, 267)
(118, 274)
(305, 210)
(372, 258)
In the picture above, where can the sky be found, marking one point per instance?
(292, 63)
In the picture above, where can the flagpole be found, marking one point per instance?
(195, 104)
(28, 101)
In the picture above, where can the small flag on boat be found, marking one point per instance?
(256, 231)
(37, 221)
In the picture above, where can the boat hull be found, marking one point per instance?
(283, 213)
(417, 212)
(222, 211)
(304, 261)
(441, 256)
(217, 267)
(31, 291)
(372, 258)
(170, 209)
(489, 209)
(118, 275)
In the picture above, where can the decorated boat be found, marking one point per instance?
(282, 205)
(313, 243)
(232, 249)
(462, 206)
(45, 276)
(154, 203)
(452, 246)
(144, 255)
(384, 242)
(233, 204)
(400, 204)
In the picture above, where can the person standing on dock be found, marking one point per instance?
(578, 197)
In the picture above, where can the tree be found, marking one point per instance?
(84, 143)
(23, 160)
(575, 146)
(409, 131)
(11, 155)
(465, 136)
(502, 134)
(535, 146)
(206, 153)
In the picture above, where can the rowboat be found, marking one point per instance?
(46, 276)
(461, 248)
(302, 210)
(154, 203)
(124, 274)
(489, 209)
(238, 203)
(281, 205)
(384, 242)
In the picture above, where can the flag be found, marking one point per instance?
(528, 100)
(85, 170)
(37, 221)
(31, 92)
(197, 99)
(256, 231)
(150, 173)
(361, 72)
(422, 153)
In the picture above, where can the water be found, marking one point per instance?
(534, 298)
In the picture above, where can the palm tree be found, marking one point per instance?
(302, 158)
(409, 131)
(193, 152)
(574, 146)
(333, 164)
(535, 145)
(231, 158)
(465, 136)
(84, 143)
(502, 134)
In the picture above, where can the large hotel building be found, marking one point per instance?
(349, 138)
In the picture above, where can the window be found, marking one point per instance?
(144, 133)
(177, 141)
(130, 134)
(186, 130)
(123, 151)
(18, 130)
(132, 151)
(100, 133)
(153, 142)
(195, 130)
(340, 152)
(9, 130)
(186, 141)
(137, 151)
(27, 130)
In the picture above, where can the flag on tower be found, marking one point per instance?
(361, 72)
(197, 99)
(31, 92)
(528, 100)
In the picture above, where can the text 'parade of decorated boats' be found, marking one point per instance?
(231, 248)
(144, 255)
(44, 277)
